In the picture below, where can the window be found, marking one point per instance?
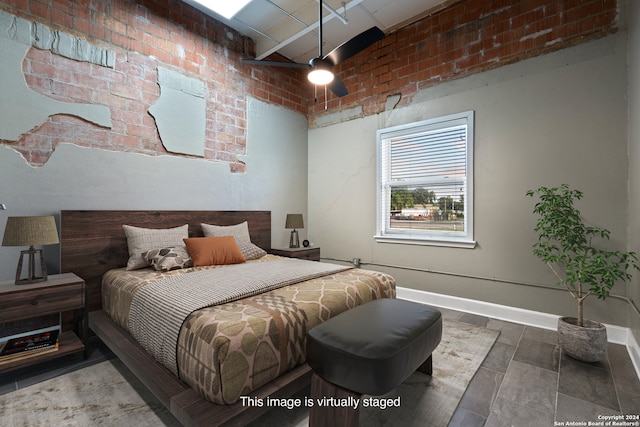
(425, 182)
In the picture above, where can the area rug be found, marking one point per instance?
(107, 394)
(423, 400)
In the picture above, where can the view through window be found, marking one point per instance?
(425, 179)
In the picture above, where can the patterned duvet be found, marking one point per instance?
(228, 350)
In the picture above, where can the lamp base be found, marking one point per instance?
(294, 241)
(31, 274)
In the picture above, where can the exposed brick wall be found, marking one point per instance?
(144, 35)
(468, 37)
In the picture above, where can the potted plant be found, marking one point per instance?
(566, 245)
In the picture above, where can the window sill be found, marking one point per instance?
(412, 240)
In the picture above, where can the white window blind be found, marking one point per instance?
(425, 180)
(436, 154)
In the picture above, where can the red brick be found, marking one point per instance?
(72, 92)
(125, 91)
(128, 141)
(93, 84)
(39, 84)
(82, 26)
(41, 9)
(470, 36)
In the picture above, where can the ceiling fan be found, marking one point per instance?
(321, 68)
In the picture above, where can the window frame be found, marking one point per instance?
(384, 232)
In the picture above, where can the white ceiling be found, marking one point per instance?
(290, 27)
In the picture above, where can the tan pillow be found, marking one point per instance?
(142, 240)
(241, 234)
(214, 251)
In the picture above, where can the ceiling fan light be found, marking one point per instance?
(321, 71)
(320, 76)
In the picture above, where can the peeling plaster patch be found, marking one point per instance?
(63, 44)
(70, 47)
(392, 102)
(338, 116)
(22, 109)
(180, 113)
(14, 28)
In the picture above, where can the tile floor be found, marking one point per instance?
(527, 381)
(524, 381)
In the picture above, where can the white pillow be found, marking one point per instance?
(241, 234)
(142, 240)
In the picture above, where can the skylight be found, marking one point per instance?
(224, 8)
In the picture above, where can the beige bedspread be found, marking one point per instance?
(159, 308)
(228, 350)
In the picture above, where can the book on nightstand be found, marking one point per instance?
(28, 344)
(28, 354)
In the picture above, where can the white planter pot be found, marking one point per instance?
(587, 343)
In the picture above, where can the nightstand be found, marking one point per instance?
(312, 254)
(60, 293)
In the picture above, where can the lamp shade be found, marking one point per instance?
(30, 231)
(294, 221)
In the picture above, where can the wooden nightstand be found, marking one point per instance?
(60, 293)
(312, 254)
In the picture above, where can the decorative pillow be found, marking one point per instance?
(214, 251)
(241, 234)
(171, 258)
(142, 240)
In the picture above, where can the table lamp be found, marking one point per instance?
(294, 221)
(30, 231)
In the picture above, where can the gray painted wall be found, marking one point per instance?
(83, 178)
(558, 118)
(634, 154)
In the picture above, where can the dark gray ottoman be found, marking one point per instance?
(369, 349)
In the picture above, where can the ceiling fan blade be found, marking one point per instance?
(355, 45)
(338, 87)
(274, 63)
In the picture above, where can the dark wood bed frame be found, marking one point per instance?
(93, 242)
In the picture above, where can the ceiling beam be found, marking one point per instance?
(307, 30)
(336, 14)
(287, 13)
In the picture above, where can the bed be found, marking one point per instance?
(196, 391)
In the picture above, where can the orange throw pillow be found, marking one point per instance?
(214, 250)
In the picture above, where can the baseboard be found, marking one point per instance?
(634, 351)
(615, 334)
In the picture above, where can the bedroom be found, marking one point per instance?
(552, 114)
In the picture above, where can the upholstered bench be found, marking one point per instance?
(369, 349)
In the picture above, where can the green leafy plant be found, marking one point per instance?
(565, 245)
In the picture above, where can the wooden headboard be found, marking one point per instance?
(93, 242)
